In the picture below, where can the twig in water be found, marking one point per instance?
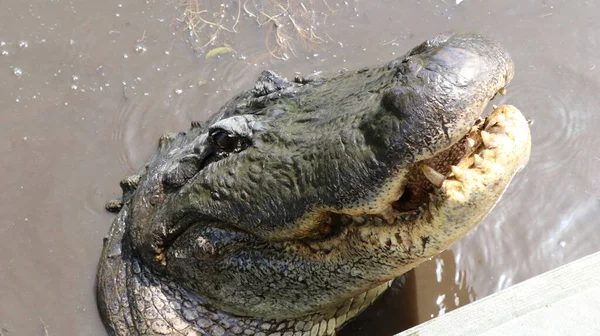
(46, 333)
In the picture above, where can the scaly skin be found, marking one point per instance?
(291, 209)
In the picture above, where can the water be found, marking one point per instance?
(87, 87)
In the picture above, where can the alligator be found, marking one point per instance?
(290, 210)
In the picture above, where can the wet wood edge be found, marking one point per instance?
(528, 296)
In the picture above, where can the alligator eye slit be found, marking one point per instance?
(225, 141)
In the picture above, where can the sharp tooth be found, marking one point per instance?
(502, 91)
(471, 142)
(494, 106)
(477, 161)
(458, 172)
(436, 178)
(487, 140)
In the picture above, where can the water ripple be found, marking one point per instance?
(152, 109)
(555, 118)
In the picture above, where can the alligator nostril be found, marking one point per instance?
(431, 44)
(181, 171)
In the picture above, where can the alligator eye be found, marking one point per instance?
(226, 141)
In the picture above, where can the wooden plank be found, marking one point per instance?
(566, 298)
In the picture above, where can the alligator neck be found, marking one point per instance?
(132, 297)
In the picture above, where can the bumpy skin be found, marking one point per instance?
(290, 210)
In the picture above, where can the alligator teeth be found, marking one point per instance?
(471, 142)
(477, 161)
(459, 173)
(436, 178)
(494, 106)
(496, 124)
(487, 140)
(502, 91)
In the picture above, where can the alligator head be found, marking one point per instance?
(294, 206)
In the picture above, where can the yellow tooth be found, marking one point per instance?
(436, 178)
(471, 142)
(477, 161)
(502, 91)
(458, 172)
(488, 142)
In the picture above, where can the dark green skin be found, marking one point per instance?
(216, 242)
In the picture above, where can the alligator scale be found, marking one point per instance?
(290, 210)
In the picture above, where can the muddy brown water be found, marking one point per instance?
(87, 87)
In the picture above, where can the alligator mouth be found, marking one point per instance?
(426, 176)
(475, 169)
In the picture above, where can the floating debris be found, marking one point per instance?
(218, 51)
(290, 23)
(140, 49)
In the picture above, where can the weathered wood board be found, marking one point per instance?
(564, 301)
